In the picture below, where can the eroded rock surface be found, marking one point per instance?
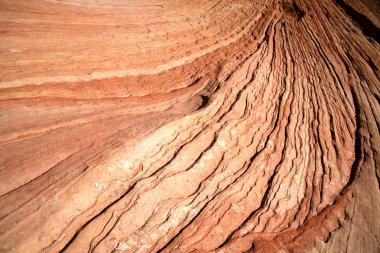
(189, 126)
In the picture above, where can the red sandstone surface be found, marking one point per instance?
(189, 126)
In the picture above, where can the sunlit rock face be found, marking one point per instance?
(189, 126)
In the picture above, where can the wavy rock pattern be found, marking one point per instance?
(189, 126)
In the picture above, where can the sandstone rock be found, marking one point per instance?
(189, 126)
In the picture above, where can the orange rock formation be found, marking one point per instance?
(189, 126)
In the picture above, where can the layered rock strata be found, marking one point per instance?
(189, 126)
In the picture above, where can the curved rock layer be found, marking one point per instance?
(189, 126)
